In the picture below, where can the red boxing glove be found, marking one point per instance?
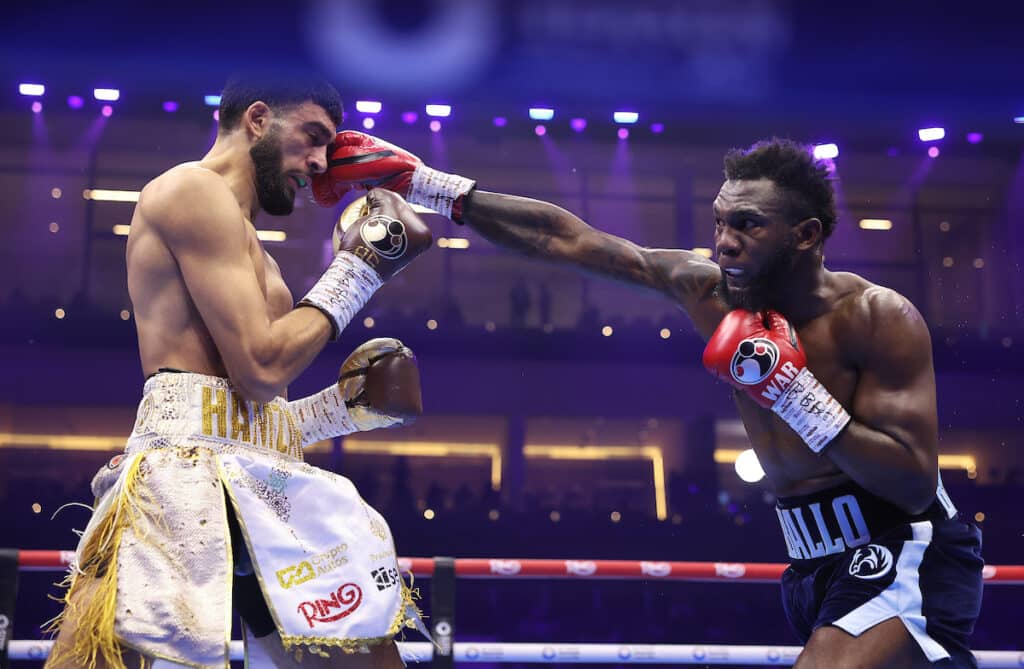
(761, 355)
(358, 160)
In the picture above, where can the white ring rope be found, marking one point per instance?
(594, 653)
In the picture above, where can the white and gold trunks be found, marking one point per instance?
(158, 542)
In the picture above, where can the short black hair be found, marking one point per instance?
(793, 167)
(280, 90)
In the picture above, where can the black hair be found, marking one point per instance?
(792, 166)
(279, 90)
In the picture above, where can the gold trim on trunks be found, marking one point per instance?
(268, 425)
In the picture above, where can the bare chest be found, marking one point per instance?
(268, 274)
(790, 466)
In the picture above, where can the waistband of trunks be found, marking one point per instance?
(832, 521)
(185, 407)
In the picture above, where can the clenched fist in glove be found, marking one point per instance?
(358, 160)
(760, 354)
(370, 251)
(378, 386)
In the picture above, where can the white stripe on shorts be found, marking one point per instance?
(902, 599)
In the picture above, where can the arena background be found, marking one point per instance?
(521, 360)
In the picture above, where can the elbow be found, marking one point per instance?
(254, 390)
(920, 495)
(257, 383)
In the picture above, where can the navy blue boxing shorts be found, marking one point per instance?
(859, 560)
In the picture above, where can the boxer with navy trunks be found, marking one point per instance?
(832, 376)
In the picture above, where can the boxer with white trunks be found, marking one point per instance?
(211, 501)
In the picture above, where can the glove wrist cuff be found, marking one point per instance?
(437, 190)
(323, 416)
(811, 411)
(344, 288)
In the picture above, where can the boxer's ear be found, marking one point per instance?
(809, 234)
(257, 119)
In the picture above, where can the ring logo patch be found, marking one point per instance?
(755, 359)
(341, 603)
(871, 562)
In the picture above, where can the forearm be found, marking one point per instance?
(885, 466)
(545, 231)
(530, 226)
(286, 348)
(323, 415)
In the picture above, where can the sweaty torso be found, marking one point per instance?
(833, 342)
(170, 329)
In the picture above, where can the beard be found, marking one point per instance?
(760, 291)
(273, 190)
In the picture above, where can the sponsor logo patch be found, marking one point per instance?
(657, 569)
(314, 567)
(755, 359)
(871, 562)
(385, 577)
(580, 567)
(505, 567)
(385, 235)
(296, 574)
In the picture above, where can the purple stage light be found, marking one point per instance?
(1019, 120)
(216, 115)
(107, 110)
(625, 117)
(33, 90)
(931, 134)
(170, 106)
(106, 94)
(933, 152)
(435, 126)
(578, 124)
(37, 107)
(975, 137)
(368, 123)
(657, 128)
(540, 130)
(623, 133)
(500, 121)
(826, 151)
(409, 117)
(441, 111)
(368, 106)
(76, 101)
(542, 113)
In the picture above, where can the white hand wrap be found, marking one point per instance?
(323, 416)
(345, 287)
(811, 411)
(437, 190)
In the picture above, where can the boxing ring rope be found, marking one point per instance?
(557, 652)
(756, 572)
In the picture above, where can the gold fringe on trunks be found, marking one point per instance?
(95, 638)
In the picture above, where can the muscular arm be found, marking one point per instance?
(542, 230)
(198, 218)
(891, 445)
